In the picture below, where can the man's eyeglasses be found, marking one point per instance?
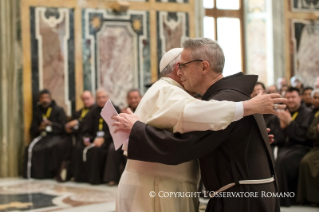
(182, 65)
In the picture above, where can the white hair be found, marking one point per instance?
(206, 49)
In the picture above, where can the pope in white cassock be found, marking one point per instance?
(167, 105)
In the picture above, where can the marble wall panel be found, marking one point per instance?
(257, 48)
(116, 52)
(305, 44)
(304, 5)
(172, 28)
(52, 50)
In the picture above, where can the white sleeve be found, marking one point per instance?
(239, 111)
(208, 115)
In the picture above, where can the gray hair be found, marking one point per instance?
(170, 67)
(206, 49)
(314, 91)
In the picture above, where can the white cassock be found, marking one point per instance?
(167, 105)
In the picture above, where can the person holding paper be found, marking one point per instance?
(167, 105)
(90, 154)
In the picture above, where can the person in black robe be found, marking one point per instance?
(308, 181)
(42, 157)
(73, 129)
(238, 153)
(295, 122)
(116, 161)
(306, 97)
(89, 154)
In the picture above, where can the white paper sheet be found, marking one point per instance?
(107, 112)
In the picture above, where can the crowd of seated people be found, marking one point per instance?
(296, 145)
(79, 147)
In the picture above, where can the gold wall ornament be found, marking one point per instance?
(120, 6)
(137, 25)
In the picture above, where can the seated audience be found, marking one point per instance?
(296, 82)
(73, 129)
(294, 121)
(306, 97)
(272, 89)
(308, 184)
(133, 98)
(43, 157)
(281, 82)
(283, 90)
(258, 87)
(116, 161)
(90, 152)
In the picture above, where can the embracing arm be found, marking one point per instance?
(150, 144)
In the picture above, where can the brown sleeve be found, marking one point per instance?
(147, 143)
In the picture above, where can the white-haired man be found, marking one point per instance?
(167, 105)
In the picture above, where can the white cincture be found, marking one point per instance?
(34, 141)
(86, 149)
(243, 182)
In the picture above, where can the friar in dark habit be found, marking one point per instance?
(73, 130)
(89, 154)
(308, 181)
(116, 160)
(237, 159)
(42, 158)
(294, 122)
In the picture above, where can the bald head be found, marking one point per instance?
(87, 98)
(101, 97)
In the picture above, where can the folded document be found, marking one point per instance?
(107, 112)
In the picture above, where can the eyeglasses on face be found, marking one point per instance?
(182, 65)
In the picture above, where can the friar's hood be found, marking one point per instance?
(240, 82)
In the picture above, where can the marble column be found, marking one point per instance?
(11, 114)
(199, 16)
(265, 53)
(278, 12)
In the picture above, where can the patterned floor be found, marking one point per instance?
(48, 196)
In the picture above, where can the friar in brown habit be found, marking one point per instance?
(237, 159)
(44, 155)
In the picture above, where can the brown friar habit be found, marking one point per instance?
(70, 140)
(240, 152)
(290, 153)
(46, 157)
(91, 170)
(308, 181)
